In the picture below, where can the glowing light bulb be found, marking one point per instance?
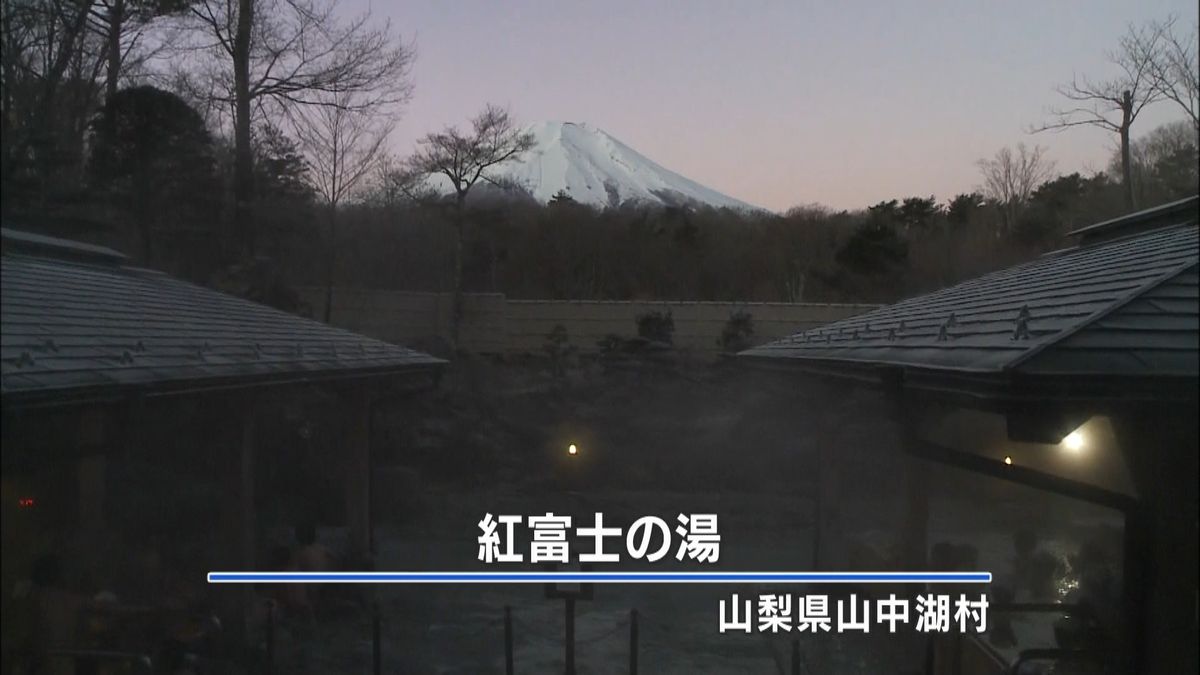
(1074, 441)
(1008, 460)
(572, 450)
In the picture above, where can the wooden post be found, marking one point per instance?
(916, 519)
(92, 438)
(1135, 567)
(633, 642)
(358, 473)
(270, 656)
(828, 540)
(819, 512)
(1160, 584)
(247, 517)
(508, 641)
(915, 533)
(376, 640)
(90, 473)
(570, 637)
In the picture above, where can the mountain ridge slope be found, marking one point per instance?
(597, 169)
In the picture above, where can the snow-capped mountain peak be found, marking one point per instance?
(595, 168)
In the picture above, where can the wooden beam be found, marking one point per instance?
(1020, 474)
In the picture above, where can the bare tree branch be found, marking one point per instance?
(289, 55)
(1114, 105)
(1009, 179)
(1175, 68)
(343, 141)
(463, 158)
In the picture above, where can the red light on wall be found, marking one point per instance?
(25, 503)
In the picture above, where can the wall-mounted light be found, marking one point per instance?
(1074, 442)
(1008, 460)
(572, 450)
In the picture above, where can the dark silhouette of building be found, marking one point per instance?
(1000, 375)
(103, 361)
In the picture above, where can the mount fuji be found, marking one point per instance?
(595, 168)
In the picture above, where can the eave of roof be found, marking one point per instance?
(1123, 309)
(1164, 214)
(82, 328)
(31, 243)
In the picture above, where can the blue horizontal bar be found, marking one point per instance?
(600, 577)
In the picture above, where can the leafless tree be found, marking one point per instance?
(1175, 67)
(343, 140)
(464, 158)
(58, 57)
(291, 53)
(42, 55)
(1009, 179)
(124, 30)
(1115, 104)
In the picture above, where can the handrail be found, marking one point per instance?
(141, 661)
(1046, 653)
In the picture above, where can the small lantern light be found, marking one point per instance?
(1074, 442)
(572, 450)
(1008, 460)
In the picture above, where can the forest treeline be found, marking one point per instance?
(240, 146)
(156, 183)
(158, 187)
(565, 250)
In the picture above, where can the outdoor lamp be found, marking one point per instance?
(1074, 442)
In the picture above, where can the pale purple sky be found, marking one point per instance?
(779, 103)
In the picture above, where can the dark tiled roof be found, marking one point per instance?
(77, 320)
(1163, 214)
(1124, 306)
(1154, 332)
